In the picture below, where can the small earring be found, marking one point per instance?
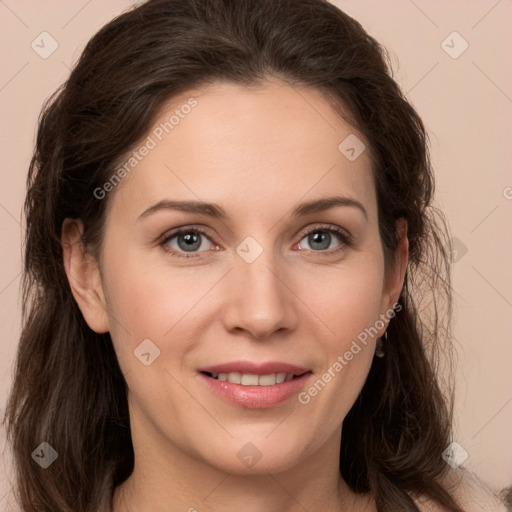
(378, 346)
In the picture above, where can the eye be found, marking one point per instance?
(320, 237)
(185, 240)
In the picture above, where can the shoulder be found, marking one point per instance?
(472, 494)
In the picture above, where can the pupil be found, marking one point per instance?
(191, 241)
(320, 236)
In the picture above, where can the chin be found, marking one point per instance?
(274, 463)
(251, 454)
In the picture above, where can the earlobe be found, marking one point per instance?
(83, 276)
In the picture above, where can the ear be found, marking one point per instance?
(84, 276)
(396, 274)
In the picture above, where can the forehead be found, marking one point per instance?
(248, 148)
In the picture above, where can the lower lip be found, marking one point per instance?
(256, 397)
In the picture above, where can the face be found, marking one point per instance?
(210, 308)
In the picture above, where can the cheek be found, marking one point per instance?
(358, 308)
(350, 305)
(348, 299)
(147, 302)
(156, 304)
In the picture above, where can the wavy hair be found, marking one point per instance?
(68, 387)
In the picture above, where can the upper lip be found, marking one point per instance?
(255, 368)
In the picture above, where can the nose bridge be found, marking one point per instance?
(260, 301)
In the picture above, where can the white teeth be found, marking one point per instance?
(235, 377)
(249, 379)
(267, 380)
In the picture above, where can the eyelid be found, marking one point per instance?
(326, 227)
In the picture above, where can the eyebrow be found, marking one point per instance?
(217, 212)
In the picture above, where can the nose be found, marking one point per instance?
(259, 300)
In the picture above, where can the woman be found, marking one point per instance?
(187, 345)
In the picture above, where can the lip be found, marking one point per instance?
(255, 397)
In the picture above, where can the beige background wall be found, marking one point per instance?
(466, 103)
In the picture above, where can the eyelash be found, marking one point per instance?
(343, 236)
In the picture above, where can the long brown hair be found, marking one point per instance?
(68, 388)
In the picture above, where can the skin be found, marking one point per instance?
(257, 152)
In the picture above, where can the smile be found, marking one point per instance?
(255, 386)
